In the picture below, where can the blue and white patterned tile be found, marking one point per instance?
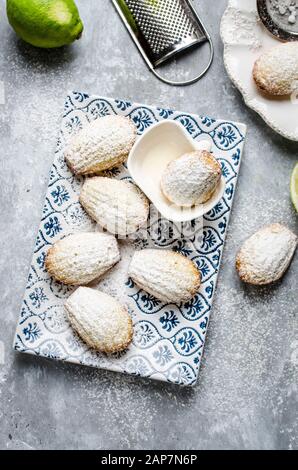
(169, 339)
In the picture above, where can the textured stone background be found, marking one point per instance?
(247, 394)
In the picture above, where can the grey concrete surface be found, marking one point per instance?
(247, 394)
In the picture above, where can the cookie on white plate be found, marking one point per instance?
(167, 275)
(101, 321)
(118, 206)
(81, 258)
(266, 255)
(191, 179)
(101, 145)
(276, 71)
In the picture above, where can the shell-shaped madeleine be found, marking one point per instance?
(266, 255)
(101, 145)
(191, 179)
(100, 320)
(81, 258)
(276, 71)
(118, 206)
(168, 276)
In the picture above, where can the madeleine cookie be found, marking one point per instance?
(276, 71)
(100, 320)
(168, 276)
(81, 258)
(191, 179)
(266, 255)
(118, 206)
(101, 145)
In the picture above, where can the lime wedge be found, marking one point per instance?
(294, 187)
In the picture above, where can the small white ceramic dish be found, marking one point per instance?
(154, 150)
(245, 38)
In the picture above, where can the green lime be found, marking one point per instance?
(294, 187)
(45, 23)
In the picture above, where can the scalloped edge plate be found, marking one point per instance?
(245, 39)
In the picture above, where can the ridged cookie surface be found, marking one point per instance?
(101, 145)
(81, 258)
(266, 255)
(276, 71)
(100, 320)
(118, 206)
(168, 276)
(191, 179)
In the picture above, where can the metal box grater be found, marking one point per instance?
(162, 29)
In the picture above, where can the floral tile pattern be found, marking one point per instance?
(169, 339)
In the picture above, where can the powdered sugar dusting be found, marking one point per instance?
(191, 179)
(276, 71)
(242, 27)
(265, 256)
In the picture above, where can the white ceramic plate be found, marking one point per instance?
(160, 144)
(245, 39)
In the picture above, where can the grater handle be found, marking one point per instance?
(192, 80)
